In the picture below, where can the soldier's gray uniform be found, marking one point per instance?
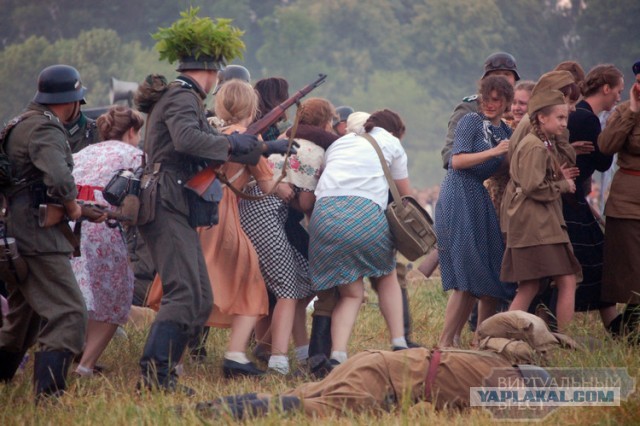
(179, 136)
(468, 104)
(39, 152)
(82, 133)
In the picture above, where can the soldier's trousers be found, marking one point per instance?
(176, 253)
(48, 308)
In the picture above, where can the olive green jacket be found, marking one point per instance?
(39, 151)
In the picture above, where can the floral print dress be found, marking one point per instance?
(102, 270)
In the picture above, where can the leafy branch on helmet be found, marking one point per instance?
(191, 36)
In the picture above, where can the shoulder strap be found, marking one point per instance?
(11, 124)
(387, 173)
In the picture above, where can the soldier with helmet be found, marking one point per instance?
(499, 63)
(179, 142)
(41, 163)
(340, 122)
(232, 72)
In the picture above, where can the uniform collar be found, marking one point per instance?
(191, 84)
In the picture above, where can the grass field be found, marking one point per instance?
(111, 399)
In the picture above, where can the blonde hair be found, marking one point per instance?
(317, 112)
(114, 123)
(236, 101)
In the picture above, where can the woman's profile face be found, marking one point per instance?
(494, 106)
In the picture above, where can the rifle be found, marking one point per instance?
(202, 180)
(53, 214)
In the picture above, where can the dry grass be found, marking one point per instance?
(111, 400)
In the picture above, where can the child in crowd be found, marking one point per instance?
(531, 215)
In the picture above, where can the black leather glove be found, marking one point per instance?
(245, 149)
(279, 146)
(242, 144)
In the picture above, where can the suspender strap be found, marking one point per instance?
(434, 362)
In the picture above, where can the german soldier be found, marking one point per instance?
(179, 140)
(42, 163)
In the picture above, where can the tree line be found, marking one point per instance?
(417, 57)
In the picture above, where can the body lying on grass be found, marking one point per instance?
(378, 380)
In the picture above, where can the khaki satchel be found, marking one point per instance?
(410, 224)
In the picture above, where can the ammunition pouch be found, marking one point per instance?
(203, 210)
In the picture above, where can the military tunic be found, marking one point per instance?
(622, 230)
(82, 133)
(468, 104)
(179, 138)
(39, 152)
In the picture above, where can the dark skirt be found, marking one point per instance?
(621, 273)
(536, 262)
(587, 241)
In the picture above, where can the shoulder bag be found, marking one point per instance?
(410, 224)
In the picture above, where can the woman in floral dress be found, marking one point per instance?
(102, 270)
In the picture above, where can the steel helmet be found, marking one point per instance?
(232, 72)
(343, 113)
(501, 61)
(59, 84)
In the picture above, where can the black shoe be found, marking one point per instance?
(50, 372)
(9, 363)
(320, 366)
(398, 348)
(412, 344)
(320, 339)
(231, 369)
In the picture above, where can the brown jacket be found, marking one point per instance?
(566, 153)
(531, 210)
(622, 135)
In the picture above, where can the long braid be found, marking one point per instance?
(536, 130)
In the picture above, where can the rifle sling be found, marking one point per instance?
(228, 182)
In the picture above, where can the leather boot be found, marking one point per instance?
(50, 372)
(406, 317)
(9, 363)
(165, 345)
(626, 324)
(320, 339)
(197, 349)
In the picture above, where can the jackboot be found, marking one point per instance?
(320, 339)
(197, 349)
(9, 363)
(165, 345)
(406, 318)
(626, 324)
(50, 370)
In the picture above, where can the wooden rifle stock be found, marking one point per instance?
(53, 214)
(202, 180)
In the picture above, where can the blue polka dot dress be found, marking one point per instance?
(470, 244)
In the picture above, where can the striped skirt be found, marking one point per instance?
(349, 239)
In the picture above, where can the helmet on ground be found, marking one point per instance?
(59, 84)
(232, 72)
(501, 61)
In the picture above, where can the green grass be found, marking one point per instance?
(112, 400)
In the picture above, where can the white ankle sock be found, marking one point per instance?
(84, 371)
(399, 342)
(302, 353)
(239, 357)
(280, 363)
(339, 356)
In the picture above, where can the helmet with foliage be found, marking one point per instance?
(500, 61)
(59, 84)
(199, 43)
(232, 72)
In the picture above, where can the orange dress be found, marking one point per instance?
(232, 262)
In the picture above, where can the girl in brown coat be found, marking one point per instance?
(537, 241)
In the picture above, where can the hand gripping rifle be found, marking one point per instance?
(202, 180)
(53, 214)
